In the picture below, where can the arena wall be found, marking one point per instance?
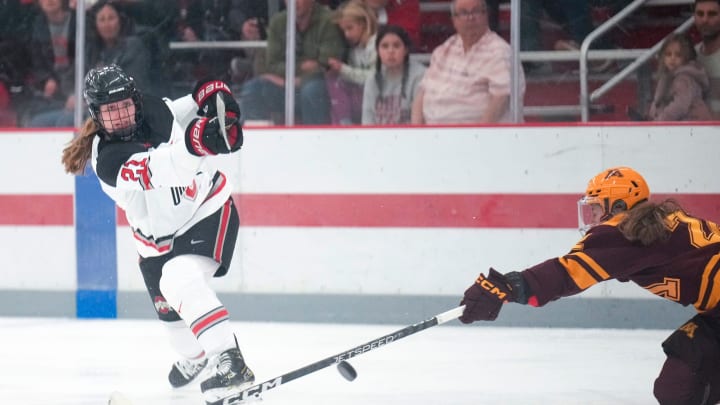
(357, 224)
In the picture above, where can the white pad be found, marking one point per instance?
(187, 276)
(184, 284)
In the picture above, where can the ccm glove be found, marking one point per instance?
(205, 95)
(203, 137)
(484, 299)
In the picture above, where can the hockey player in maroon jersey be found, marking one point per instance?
(656, 245)
(154, 158)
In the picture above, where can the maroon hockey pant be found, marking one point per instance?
(678, 384)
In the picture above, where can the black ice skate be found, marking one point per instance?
(184, 371)
(231, 374)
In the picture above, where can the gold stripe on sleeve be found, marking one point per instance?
(706, 284)
(584, 279)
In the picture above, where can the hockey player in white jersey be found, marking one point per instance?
(154, 158)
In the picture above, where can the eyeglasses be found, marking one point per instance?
(468, 14)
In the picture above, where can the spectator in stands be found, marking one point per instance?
(345, 81)
(468, 80)
(7, 115)
(52, 57)
(112, 41)
(388, 95)
(251, 17)
(682, 83)
(403, 13)
(707, 22)
(153, 21)
(216, 20)
(573, 16)
(317, 38)
(16, 18)
(184, 66)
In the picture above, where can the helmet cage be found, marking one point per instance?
(108, 85)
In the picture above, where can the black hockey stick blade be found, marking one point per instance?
(257, 389)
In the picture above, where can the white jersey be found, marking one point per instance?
(163, 189)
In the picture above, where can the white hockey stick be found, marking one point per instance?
(257, 389)
(220, 104)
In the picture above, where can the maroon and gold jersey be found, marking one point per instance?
(684, 269)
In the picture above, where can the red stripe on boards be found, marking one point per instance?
(432, 210)
(369, 210)
(36, 209)
(407, 210)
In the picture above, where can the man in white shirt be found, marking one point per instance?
(469, 77)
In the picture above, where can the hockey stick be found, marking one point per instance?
(220, 105)
(257, 389)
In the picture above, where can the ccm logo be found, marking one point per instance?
(490, 287)
(252, 392)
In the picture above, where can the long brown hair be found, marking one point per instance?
(647, 222)
(78, 152)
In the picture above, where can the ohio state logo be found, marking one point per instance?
(161, 306)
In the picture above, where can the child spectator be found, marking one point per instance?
(345, 80)
(683, 84)
(389, 94)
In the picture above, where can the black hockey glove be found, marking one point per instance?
(484, 299)
(203, 137)
(205, 95)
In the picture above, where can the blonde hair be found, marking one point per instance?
(361, 13)
(79, 151)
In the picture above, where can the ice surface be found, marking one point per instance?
(81, 362)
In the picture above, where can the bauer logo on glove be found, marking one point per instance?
(205, 95)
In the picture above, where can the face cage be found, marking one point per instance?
(590, 213)
(124, 133)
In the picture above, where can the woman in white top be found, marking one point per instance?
(388, 95)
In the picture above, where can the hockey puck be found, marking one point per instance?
(346, 370)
